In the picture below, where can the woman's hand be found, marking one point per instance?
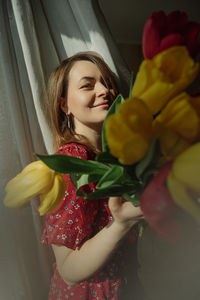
(78, 265)
(124, 212)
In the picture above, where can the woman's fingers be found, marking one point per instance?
(124, 210)
(115, 203)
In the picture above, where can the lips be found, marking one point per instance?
(105, 103)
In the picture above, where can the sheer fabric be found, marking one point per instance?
(35, 36)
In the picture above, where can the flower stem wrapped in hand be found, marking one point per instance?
(36, 179)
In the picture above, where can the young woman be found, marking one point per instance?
(92, 239)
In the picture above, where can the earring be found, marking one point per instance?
(69, 122)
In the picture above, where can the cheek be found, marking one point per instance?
(77, 103)
(73, 99)
(73, 105)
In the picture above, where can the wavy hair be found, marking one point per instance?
(57, 87)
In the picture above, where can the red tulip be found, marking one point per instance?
(157, 205)
(192, 38)
(163, 31)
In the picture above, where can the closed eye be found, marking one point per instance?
(87, 86)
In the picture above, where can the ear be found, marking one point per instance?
(63, 105)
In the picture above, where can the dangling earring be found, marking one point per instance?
(68, 121)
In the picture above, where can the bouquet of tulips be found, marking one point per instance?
(150, 141)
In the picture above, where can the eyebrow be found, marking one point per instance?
(86, 78)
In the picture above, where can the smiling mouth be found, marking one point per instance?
(103, 104)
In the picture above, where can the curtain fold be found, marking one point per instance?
(24, 272)
(23, 17)
(35, 36)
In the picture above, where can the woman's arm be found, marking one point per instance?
(78, 265)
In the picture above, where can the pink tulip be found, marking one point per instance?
(158, 207)
(163, 31)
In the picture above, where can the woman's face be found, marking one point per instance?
(88, 98)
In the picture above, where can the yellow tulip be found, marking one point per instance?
(184, 181)
(51, 199)
(129, 131)
(177, 125)
(163, 77)
(195, 102)
(36, 179)
(171, 144)
(186, 167)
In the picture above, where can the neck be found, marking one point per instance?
(92, 134)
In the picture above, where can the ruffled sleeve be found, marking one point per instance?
(72, 223)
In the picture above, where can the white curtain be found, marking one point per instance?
(35, 35)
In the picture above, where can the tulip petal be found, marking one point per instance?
(129, 132)
(170, 72)
(51, 200)
(169, 31)
(195, 102)
(150, 39)
(136, 115)
(192, 38)
(180, 116)
(186, 167)
(171, 144)
(147, 76)
(176, 21)
(33, 180)
(157, 96)
(176, 63)
(151, 34)
(134, 149)
(116, 133)
(181, 197)
(171, 40)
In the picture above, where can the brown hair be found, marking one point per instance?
(57, 88)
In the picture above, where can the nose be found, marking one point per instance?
(101, 89)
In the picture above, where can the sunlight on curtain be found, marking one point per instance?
(35, 36)
(24, 267)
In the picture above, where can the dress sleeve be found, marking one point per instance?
(72, 223)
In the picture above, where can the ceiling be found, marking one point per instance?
(126, 18)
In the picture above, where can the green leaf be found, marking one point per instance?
(84, 179)
(112, 176)
(74, 178)
(113, 109)
(132, 197)
(67, 164)
(147, 160)
(79, 180)
(87, 178)
(132, 80)
(106, 157)
(114, 190)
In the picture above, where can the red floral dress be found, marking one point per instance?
(75, 221)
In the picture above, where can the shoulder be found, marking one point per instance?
(76, 150)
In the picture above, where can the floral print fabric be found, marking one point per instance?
(75, 221)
